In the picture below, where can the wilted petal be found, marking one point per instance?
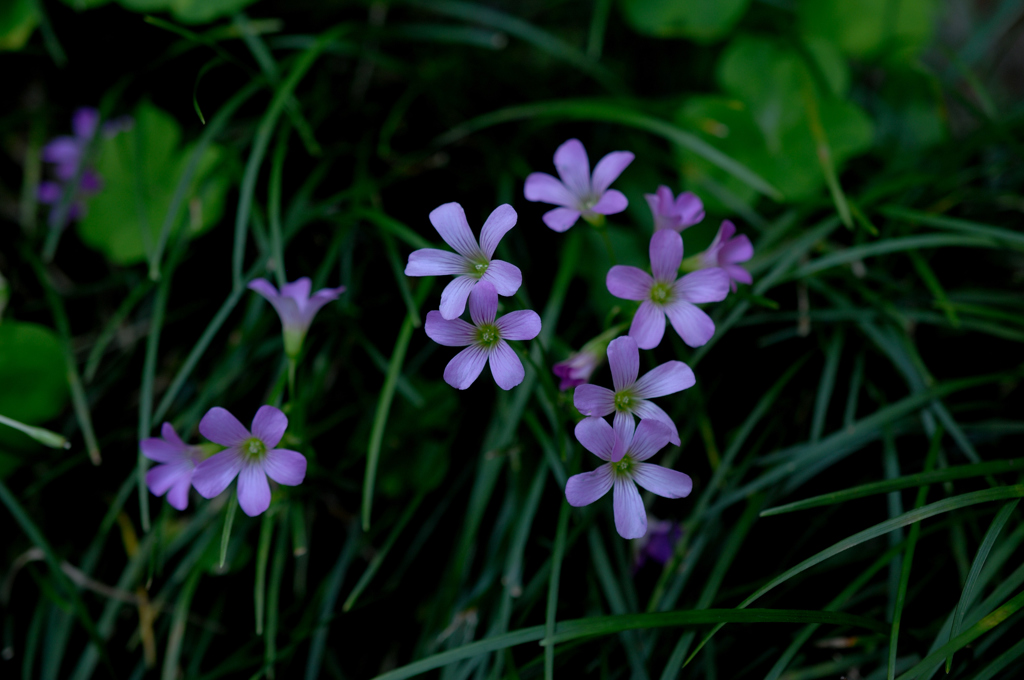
(596, 436)
(269, 425)
(540, 186)
(161, 451)
(162, 477)
(662, 481)
(464, 368)
(587, 487)
(624, 360)
(220, 427)
(668, 378)
(666, 251)
(630, 516)
(613, 201)
(608, 169)
(593, 400)
(454, 296)
(560, 219)
(647, 410)
(694, 326)
(648, 325)
(433, 262)
(650, 437)
(450, 221)
(706, 285)
(497, 225)
(573, 167)
(506, 367)
(449, 332)
(483, 303)
(520, 325)
(253, 490)
(214, 474)
(285, 466)
(628, 283)
(506, 278)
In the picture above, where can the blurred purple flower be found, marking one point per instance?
(576, 370)
(625, 452)
(250, 456)
(179, 460)
(659, 544)
(663, 295)
(485, 340)
(725, 251)
(579, 192)
(471, 263)
(677, 213)
(296, 307)
(631, 395)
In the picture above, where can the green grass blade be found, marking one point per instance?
(331, 589)
(991, 671)
(178, 621)
(892, 245)
(229, 520)
(826, 385)
(40, 434)
(557, 553)
(824, 151)
(1005, 236)
(274, 593)
(262, 557)
(379, 555)
(135, 295)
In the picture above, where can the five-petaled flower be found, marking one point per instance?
(484, 340)
(179, 460)
(625, 452)
(631, 396)
(663, 295)
(677, 213)
(579, 192)
(471, 263)
(296, 307)
(725, 251)
(251, 456)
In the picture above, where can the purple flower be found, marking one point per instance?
(674, 213)
(578, 192)
(249, 456)
(66, 152)
(576, 370)
(659, 544)
(725, 251)
(625, 452)
(295, 307)
(473, 262)
(663, 295)
(631, 395)
(174, 477)
(484, 340)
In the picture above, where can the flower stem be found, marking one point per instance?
(607, 242)
(229, 519)
(292, 364)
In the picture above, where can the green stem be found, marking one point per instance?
(229, 519)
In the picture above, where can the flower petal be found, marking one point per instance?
(506, 367)
(648, 325)
(506, 278)
(608, 169)
(694, 326)
(630, 516)
(666, 251)
(647, 410)
(497, 225)
(624, 360)
(520, 325)
(668, 378)
(253, 490)
(319, 299)
(464, 368)
(220, 427)
(483, 303)
(613, 201)
(214, 474)
(739, 249)
(169, 434)
(596, 436)
(737, 273)
(450, 221)
(624, 426)
(662, 481)
(298, 290)
(269, 425)
(593, 400)
(706, 285)
(162, 477)
(690, 208)
(449, 332)
(433, 262)
(84, 121)
(64, 151)
(177, 497)
(628, 283)
(286, 308)
(560, 219)
(587, 487)
(454, 296)
(540, 186)
(285, 466)
(573, 167)
(650, 437)
(161, 451)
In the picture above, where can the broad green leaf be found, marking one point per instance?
(700, 20)
(140, 169)
(863, 28)
(18, 19)
(33, 387)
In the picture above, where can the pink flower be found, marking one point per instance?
(296, 307)
(471, 263)
(674, 213)
(579, 192)
(486, 340)
(174, 477)
(250, 456)
(576, 370)
(625, 452)
(725, 251)
(663, 295)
